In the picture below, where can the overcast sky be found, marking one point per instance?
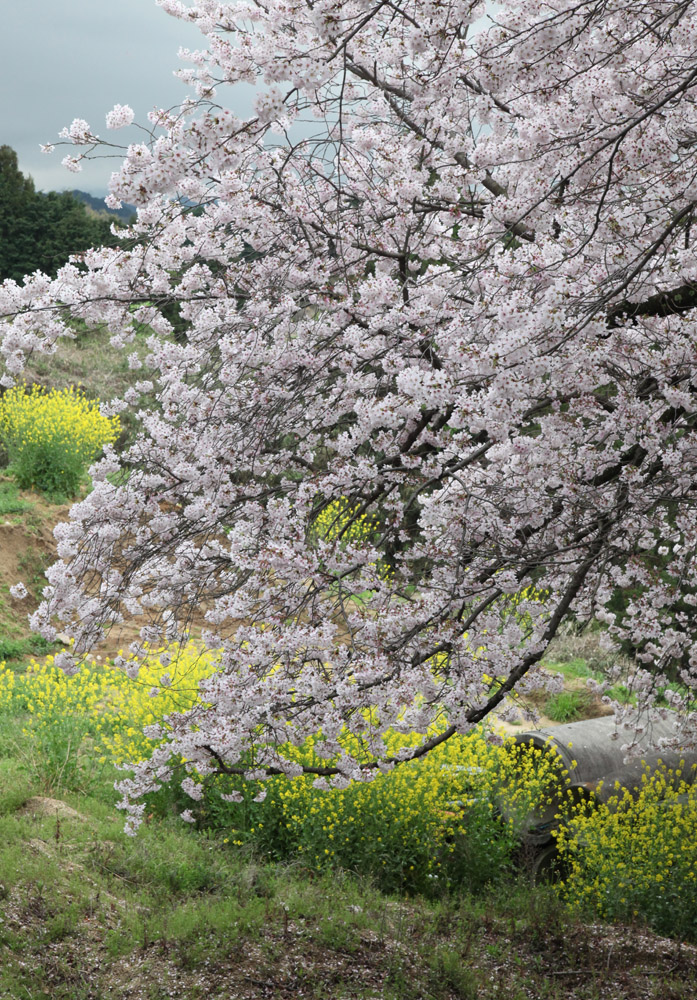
(65, 59)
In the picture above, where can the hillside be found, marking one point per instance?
(125, 213)
(40, 231)
(88, 913)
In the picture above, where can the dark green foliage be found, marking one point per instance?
(19, 649)
(40, 231)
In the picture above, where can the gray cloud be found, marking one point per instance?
(65, 59)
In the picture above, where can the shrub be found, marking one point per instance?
(339, 519)
(55, 723)
(96, 716)
(51, 437)
(449, 820)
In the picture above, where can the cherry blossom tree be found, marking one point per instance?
(432, 391)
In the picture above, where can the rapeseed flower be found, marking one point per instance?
(636, 854)
(52, 436)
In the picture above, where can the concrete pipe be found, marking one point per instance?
(595, 764)
(629, 778)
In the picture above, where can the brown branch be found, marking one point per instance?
(671, 303)
(577, 581)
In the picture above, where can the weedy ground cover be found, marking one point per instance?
(579, 655)
(88, 360)
(569, 706)
(26, 548)
(10, 501)
(427, 826)
(88, 913)
(448, 823)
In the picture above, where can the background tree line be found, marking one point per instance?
(40, 231)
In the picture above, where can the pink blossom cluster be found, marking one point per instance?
(119, 116)
(78, 132)
(458, 299)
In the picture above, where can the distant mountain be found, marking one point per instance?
(97, 205)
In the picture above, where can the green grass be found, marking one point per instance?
(577, 658)
(28, 520)
(583, 653)
(622, 694)
(568, 706)
(82, 903)
(575, 669)
(13, 650)
(89, 914)
(10, 501)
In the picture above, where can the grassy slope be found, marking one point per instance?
(89, 914)
(26, 520)
(26, 549)
(90, 362)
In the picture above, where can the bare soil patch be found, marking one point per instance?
(42, 805)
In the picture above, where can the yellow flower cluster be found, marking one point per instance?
(450, 817)
(167, 682)
(637, 855)
(340, 519)
(460, 805)
(52, 436)
(101, 701)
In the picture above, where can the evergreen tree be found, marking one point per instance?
(40, 231)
